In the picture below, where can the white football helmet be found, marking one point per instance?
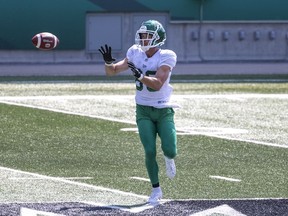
(156, 35)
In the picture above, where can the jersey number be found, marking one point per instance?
(139, 85)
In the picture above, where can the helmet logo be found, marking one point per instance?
(143, 28)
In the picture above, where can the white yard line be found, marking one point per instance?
(7, 100)
(140, 178)
(57, 179)
(225, 178)
(40, 178)
(249, 141)
(178, 96)
(233, 96)
(27, 211)
(66, 112)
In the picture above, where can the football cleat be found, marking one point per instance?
(156, 195)
(170, 167)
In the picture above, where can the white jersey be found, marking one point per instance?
(145, 95)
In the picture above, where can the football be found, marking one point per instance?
(45, 41)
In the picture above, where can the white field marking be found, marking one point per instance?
(249, 141)
(209, 130)
(129, 129)
(68, 112)
(133, 123)
(225, 178)
(235, 199)
(214, 133)
(136, 209)
(32, 212)
(219, 210)
(139, 178)
(74, 183)
(35, 178)
(229, 80)
(231, 96)
(121, 97)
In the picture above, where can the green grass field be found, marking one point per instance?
(237, 131)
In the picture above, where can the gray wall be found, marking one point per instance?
(192, 41)
(228, 41)
(198, 41)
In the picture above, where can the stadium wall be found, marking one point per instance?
(198, 30)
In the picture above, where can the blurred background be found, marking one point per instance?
(199, 31)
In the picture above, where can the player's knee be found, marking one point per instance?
(150, 154)
(170, 153)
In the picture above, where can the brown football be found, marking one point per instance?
(45, 41)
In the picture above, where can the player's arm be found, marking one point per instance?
(118, 67)
(111, 68)
(160, 78)
(156, 82)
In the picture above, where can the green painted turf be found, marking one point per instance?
(66, 145)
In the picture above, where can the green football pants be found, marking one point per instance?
(152, 121)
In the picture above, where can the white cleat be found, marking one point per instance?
(170, 167)
(156, 195)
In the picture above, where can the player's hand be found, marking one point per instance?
(135, 71)
(106, 53)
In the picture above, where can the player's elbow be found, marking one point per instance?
(158, 85)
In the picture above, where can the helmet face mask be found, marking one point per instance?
(150, 34)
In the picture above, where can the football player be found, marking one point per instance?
(151, 67)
